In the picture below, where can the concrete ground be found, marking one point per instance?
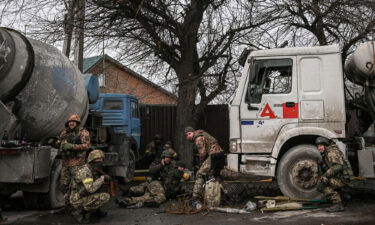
(359, 211)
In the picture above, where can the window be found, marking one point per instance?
(134, 107)
(113, 104)
(271, 76)
(101, 78)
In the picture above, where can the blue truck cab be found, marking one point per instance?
(121, 112)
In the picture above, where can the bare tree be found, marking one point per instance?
(329, 21)
(192, 40)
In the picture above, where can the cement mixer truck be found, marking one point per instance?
(287, 98)
(39, 88)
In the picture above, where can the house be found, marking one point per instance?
(117, 78)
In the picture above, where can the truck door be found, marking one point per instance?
(268, 102)
(135, 121)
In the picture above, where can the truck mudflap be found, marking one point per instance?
(24, 164)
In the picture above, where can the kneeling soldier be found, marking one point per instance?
(336, 170)
(87, 195)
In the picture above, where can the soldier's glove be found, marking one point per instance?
(186, 176)
(67, 146)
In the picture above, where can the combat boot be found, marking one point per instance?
(100, 213)
(338, 207)
(81, 216)
(125, 202)
(151, 203)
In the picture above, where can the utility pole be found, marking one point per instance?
(79, 33)
(68, 27)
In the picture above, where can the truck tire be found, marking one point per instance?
(297, 172)
(53, 198)
(130, 167)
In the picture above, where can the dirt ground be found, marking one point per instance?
(359, 211)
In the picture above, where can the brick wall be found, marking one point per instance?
(117, 80)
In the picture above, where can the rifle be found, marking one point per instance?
(112, 185)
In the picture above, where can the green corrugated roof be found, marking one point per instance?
(90, 62)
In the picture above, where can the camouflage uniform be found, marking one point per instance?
(337, 173)
(205, 145)
(72, 159)
(87, 192)
(157, 191)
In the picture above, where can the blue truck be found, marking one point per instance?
(120, 120)
(39, 89)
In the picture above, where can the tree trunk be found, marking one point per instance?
(184, 117)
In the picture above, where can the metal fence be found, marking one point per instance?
(160, 119)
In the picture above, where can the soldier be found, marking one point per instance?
(156, 192)
(168, 146)
(336, 173)
(155, 147)
(207, 148)
(88, 194)
(74, 142)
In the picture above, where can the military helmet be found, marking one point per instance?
(189, 129)
(158, 137)
(168, 144)
(75, 118)
(321, 141)
(166, 154)
(96, 154)
(181, 164)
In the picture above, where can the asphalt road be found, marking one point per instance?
(359, 211)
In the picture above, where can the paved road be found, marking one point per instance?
(359, 211)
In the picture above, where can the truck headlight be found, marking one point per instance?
(233, 145)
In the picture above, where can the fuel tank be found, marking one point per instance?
(39, 86)
(360, 67)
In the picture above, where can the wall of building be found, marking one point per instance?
(118, 80)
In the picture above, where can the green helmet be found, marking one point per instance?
(96, 154)
(321, 141)
(166, 154)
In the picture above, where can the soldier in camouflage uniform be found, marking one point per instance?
(206, 146)
(155, 148)
(88, 193)
(74, 142)
(156, 192)
(336, 173)
(168, 147)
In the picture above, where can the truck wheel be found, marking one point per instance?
(50, 200)
(297, 172)
(55, 195)
(130, 167)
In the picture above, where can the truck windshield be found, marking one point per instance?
(112, 104)
(271, 76)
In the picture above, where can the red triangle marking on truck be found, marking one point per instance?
(267, 111)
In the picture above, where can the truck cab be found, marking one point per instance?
(121, 112)
(285, 99)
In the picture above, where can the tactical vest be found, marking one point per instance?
(72, 137)
(347, 172)
(170, 177)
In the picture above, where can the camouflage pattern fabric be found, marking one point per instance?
(336, 171)
(153, 192)
(80, 137)
(205, 144)
(85, 190)
(199, 177)
(66, 175)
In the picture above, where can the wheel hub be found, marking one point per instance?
(304, 174)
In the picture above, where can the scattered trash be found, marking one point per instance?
(250, 206)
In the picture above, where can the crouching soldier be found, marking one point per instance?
(166, 186)
(210, 158)
(87, 194)
(336, 173)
